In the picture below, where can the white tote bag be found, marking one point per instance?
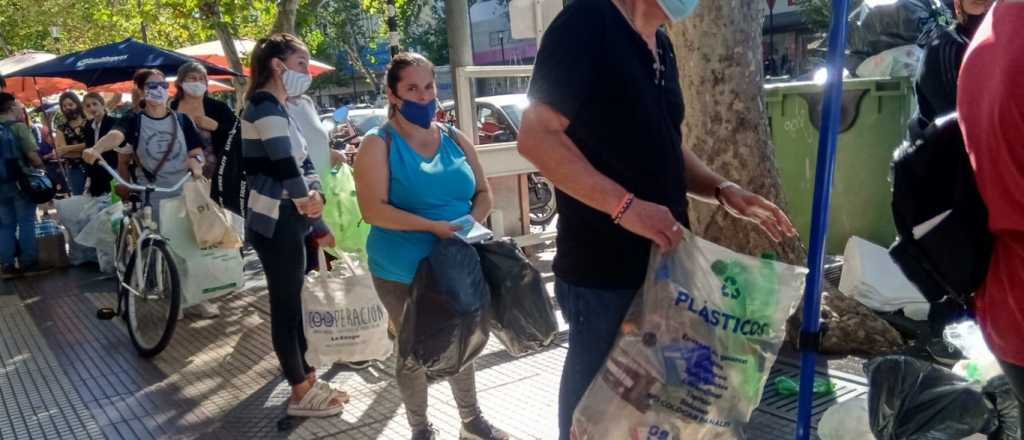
(343, 318)
(209, 222)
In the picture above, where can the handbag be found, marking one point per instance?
(228, 185)
(343, 318)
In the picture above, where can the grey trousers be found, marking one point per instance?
(413, 385)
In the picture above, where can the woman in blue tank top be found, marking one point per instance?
(410, 188)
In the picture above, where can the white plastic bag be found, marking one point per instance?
(343, 318)
(99, 234)
(75, 213)
(205, 273)
(981, 365)
(209, 221)
(846, 421)
(871, 277)
(695, 348)
(898, 62)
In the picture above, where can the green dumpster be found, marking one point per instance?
(872, 124)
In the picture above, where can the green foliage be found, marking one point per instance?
(818, 13)
(25, 24)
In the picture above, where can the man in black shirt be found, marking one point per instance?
(605, 126)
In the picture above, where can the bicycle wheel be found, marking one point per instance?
(152, 311)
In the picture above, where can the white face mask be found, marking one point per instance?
(194, 88)
(296, 83)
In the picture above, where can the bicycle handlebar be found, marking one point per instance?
(135, 187)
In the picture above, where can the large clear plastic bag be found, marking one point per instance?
(695, 348)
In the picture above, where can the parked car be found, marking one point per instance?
(497, 120)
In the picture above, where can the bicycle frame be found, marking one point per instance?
(146, 227)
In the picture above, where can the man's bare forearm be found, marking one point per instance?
(561, 161)
(701, 180)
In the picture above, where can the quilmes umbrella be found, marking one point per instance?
(29, 90)
(213, 52)
(113, 63)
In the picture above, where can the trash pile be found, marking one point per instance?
(886, 37)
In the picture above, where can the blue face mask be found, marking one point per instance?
(419, 114)
(677, 10)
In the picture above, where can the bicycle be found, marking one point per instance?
(149, 287)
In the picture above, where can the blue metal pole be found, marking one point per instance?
(810, 331)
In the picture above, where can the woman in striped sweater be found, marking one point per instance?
(284, 206)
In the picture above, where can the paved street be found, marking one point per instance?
(65, 374)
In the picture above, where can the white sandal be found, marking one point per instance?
(317, 402)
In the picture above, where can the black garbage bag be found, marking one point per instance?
(446, 324)
(911, 399)
(522, 316)
(873, 29)
(999, 393)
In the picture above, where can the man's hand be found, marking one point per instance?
(754, 208)
(654, 222)
(91, 156)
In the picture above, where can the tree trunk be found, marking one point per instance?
(227, 42)
(353, 57)
(720, 63)
(287, 12)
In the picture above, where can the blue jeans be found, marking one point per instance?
(76, 178)
(594, 317)
(17, 228)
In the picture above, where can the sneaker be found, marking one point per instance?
(203, 310)
(428, 433)
(480, 429)
(8, 271)
(944, 352)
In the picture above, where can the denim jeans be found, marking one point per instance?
(76, 177)
(594, 317)
(17, 227)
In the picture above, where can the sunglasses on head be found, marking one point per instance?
(155, 85)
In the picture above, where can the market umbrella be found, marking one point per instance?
(113, 63)
(213, 52)
(29, 90)
(810, 330)
(127, 86)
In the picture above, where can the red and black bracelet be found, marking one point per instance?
(624, 205)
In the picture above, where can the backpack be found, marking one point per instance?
(944, 245)
(10, 157)
(32, 183)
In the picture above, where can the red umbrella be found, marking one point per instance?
(127, 86)
(27, 89)
(213, 53)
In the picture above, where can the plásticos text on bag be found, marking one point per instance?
(720, 319)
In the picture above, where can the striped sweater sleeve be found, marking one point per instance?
(270, 123)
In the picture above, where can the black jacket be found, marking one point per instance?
(220, 112)
(99, 179)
